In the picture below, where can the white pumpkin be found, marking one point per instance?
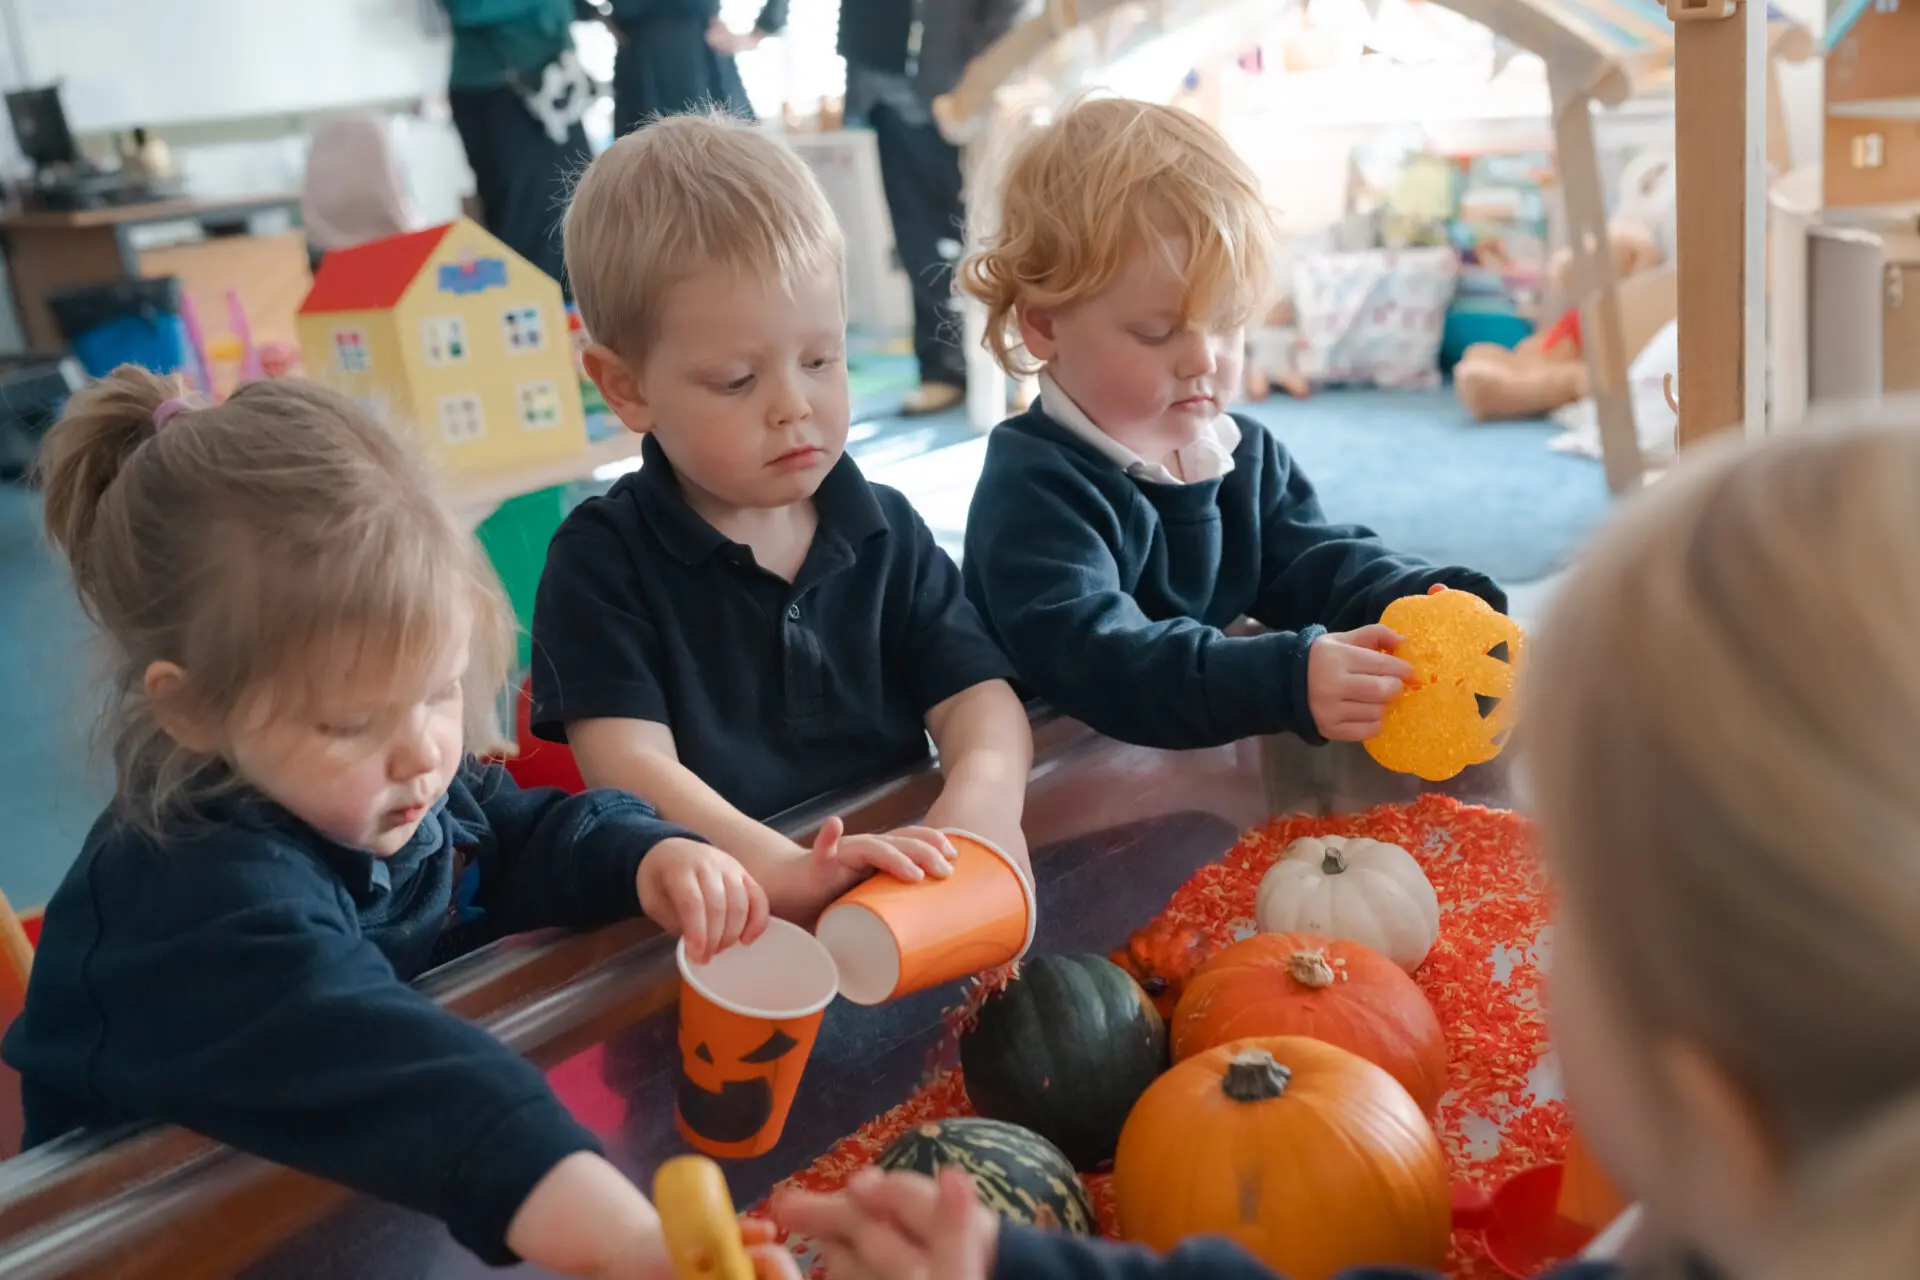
(1357, 890)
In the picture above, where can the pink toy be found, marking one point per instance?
(250, 367)
(202, 371)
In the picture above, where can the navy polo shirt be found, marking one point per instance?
(776, 692)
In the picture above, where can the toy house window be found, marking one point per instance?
(350, 349)
(1869, 151)
(444, 339)
(461, 421)
(525, 331)
(539, 405)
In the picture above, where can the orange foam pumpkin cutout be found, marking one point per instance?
(1457, 709)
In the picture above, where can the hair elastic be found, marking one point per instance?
(168, 408)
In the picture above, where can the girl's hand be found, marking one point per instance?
(703, 895)
(890, 1225)
(1351, 677)
(909, 853)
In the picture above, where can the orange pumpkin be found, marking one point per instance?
(1307, 1156)
(1301, 984)
(1161, 957)
(1457, 709)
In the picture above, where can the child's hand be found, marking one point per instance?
(1351, 677)
(770, 1260)
(897, 1224)
(909, 853)
(703, 895)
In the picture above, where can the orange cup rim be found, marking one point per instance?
(774, 924)
(1026, 886)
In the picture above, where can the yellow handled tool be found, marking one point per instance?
(697, 1219)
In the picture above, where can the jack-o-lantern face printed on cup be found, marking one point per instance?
(748, 1020)
(734, 1100)
(1457, 710)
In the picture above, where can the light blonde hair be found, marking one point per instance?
(683, 194)
(1724, 749)
(247, 543)
(1109, 179)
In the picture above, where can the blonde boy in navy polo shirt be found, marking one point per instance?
(745, 624)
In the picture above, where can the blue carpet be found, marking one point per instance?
(1429, 480)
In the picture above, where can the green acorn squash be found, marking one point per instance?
(1065, 1050)
(1018, 1174)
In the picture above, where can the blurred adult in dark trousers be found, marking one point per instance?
(901, 55)
(517, 94)
(676, 56)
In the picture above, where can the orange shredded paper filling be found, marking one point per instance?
(1484, 977)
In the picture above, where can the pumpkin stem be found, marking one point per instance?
(1253, 1076)
(1334, 863)
(1311, 969)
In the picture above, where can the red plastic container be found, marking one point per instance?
(1521, 1223)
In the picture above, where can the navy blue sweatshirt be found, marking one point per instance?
(248, 979)
(1110, 593)
(1027, 1254)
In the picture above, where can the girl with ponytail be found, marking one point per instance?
(303, 647)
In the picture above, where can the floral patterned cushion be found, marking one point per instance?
(1374, 317)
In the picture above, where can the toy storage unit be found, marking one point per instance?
(1863, 313)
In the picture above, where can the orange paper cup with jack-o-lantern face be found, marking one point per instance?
(890, 937)
(748, 1020)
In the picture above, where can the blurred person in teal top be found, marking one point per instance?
(517, 94)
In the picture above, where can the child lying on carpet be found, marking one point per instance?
(1723, 742)
(1126, 519)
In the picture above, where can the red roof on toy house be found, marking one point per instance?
(371, 277)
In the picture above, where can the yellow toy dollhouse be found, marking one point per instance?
(1873, 104)
(449, 330)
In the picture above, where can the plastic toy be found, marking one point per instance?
(1458, 707)
(450, 331)
(697, 1218)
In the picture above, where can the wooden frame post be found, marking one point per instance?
(1593, 279)
(1720, 150)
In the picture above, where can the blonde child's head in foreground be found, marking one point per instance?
(1127, 252)
(285, 604)
(1724, 743)
(707, 266)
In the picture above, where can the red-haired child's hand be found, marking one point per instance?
(1351, 677)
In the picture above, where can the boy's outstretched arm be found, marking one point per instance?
(900, 1224)
(1338, 575)
(986, 753)
(640, 756)
(1044, 573)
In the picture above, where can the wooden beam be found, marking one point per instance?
(1720, 114)
(1601, 341)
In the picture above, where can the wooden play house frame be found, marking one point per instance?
(1584, 68)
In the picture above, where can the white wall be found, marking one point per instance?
(1803, 86)
(160, 62)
